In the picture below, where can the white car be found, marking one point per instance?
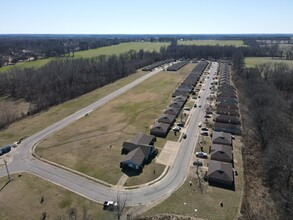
(176, 128)
(199, 124)
(110, 205)
(201, 154)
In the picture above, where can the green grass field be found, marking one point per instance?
(121, 48)
(115, 49)
(253, 61)
(237, 43)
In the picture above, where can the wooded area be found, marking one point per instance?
(267, 112)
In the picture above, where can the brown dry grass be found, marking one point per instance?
(85, 144)
(20, 199)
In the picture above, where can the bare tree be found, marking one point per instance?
(121, 200)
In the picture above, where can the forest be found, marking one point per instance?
(266, 96)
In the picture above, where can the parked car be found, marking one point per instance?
(199, 124)
(176, 128)
(197, 163)
(204, 129)
(180, 124)
(184, 136)
(201, 154)
(187, 108)
(204, 133)
(110, 205)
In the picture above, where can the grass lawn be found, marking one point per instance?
(109, 50)
(203, 202)
(237, 43)
(21, 199)
(85, 144)
(253, 61)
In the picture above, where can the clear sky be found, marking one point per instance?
(145, 16)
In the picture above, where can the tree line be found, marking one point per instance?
(23, 47)
(67, 78)
(269, 95)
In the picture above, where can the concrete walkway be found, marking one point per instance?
(121, 181)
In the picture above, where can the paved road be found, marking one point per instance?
(23, 161)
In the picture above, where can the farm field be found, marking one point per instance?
(115, 49)
(24, 195)
(92, 145)
(237, 43)
(253, 61)
(203, 202)
(121, 48)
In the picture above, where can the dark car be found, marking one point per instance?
(184, 136)
(197, 163)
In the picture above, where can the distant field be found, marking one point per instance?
(36, 64)
(121, 48)
(21, 199)
(237, 43)
(253, 61)
(115, 49)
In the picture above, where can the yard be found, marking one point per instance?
(253, 61)
(29, 197)
(92, 145)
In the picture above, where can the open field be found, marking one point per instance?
(121, 48)
(237, 43)
(115, 49)
(37, 122)
(92, 145)
(30, 64)
(203, 202)
(253, 61)
(21, 199)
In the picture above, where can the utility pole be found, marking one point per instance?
(5, 162)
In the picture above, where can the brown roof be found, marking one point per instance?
(138, 156)
(142, 139)
(221, 138)
(221, 153)
(172, 111)
(180, 98)
(166, 118)
(160, 129)
(176, 104)
(228, 119)
(228, 128)
(220, 171)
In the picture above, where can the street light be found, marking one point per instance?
(9, 177)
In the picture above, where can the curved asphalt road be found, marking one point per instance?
(23, 161)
